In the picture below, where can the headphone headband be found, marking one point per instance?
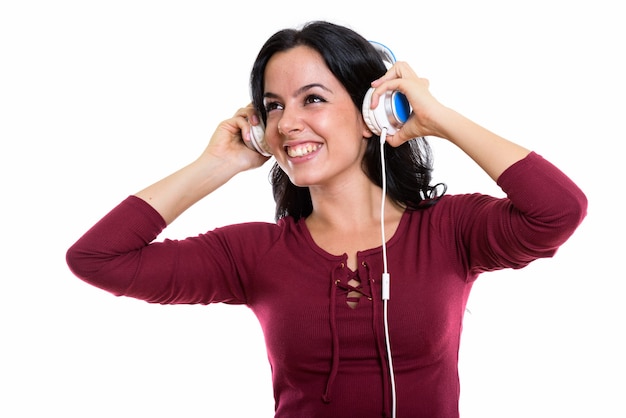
(385, 53)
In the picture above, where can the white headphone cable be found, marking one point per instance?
(385, 277)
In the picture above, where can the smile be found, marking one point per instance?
(301, 150)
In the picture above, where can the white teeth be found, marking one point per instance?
(302, 150)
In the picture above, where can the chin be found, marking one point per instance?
(304, 180)
(301, 183)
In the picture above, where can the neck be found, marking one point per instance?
(353, 208)
(350, 222)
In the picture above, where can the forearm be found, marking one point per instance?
(491, 152)
(177, 192)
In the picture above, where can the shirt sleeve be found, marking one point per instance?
(542, 209)
(550, 205)
(119, 254)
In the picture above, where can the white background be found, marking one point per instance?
(99, 99)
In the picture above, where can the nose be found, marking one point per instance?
(290, 121)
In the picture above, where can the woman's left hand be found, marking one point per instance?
(425, 108)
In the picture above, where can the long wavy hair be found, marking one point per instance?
(355, 63)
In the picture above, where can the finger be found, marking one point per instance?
(250, 114)
(381, 88)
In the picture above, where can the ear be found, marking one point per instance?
(367, 133)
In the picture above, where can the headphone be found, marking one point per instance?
(257, 139)
(392, 111)
(393, 107)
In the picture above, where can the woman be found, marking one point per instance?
(313, 278)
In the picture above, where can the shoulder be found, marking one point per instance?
(256, 235)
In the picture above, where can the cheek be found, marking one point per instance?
(345, 123)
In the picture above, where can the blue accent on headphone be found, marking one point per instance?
(401, 107)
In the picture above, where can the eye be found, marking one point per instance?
(314, 98)
(269, 106)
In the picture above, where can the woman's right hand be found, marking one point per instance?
(227, 142)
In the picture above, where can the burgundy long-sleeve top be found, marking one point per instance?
(328, 359)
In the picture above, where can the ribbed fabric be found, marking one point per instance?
(327, 358)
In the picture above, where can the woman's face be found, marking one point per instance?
(315, 131)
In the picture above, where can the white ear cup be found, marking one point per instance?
(369, 115)
(392, 111)
(257, 139)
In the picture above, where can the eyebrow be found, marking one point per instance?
(303, 89)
